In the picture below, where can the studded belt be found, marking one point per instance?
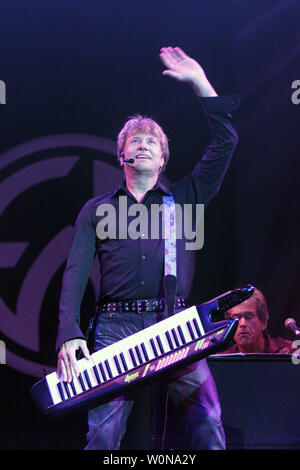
(140, 306)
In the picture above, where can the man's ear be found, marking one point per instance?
(264, 324)
(161, 167)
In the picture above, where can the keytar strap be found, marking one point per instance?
(170, 266)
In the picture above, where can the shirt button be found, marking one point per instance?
(142, 282)
(143, 257)
(143, 235)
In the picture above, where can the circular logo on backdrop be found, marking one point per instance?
(44, 184)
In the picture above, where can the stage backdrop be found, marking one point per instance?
(71, 73)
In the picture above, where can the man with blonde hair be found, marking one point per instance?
(148, 126)
(132, 270)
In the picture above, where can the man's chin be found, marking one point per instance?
(243, 340)
(143, 164)
(144, 169)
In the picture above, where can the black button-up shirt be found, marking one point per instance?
(134, 268)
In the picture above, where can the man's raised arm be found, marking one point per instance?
(185, 69)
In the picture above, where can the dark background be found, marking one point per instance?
(79, 67)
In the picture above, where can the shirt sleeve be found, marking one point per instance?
(200, 186)
(76, 274)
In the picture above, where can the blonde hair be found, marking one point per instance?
(148, 126)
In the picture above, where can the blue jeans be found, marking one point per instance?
(192, 388)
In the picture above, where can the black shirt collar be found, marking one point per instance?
(159, 186)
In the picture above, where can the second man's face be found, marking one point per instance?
(250, 329)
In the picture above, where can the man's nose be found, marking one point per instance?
(242, 321)
(142, 144)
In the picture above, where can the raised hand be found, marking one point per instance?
(185, 69)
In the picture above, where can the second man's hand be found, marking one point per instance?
(185, 69)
